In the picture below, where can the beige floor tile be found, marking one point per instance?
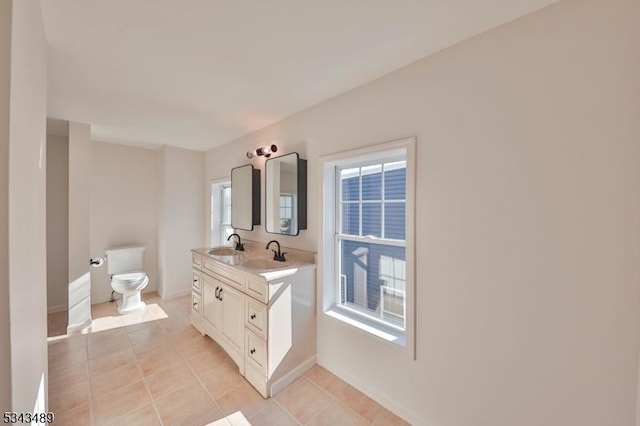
(159, 344)
(104, 346)
(102, 384)
(387, 418)
(146, 334)
(151, 297)
(181, 403)
(106, 323)
(68, 375)
(303, 400)
(109, 363)
(186, 335)
(67, 344)
(69, 396)
(104, 309)
(115, 404)
(209, 360)
(67, 352)
(222, 380)
(238, 418)
(272, 414)
(336, 414)
(203, 416)
(359, 402)
(149, 314)
(96, 337)
(242, 398)
(325, 380)
(170, 380)
(194, 346)
(143, 416)
(176, 323)
(79, 416)
(159, 361)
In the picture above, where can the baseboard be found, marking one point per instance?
(380, 398)
(291, 376)
(75, 328)
(56, 308)
(176, 294)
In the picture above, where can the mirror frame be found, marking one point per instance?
(301, 181)
(255, 197)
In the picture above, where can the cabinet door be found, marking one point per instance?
(212, 307)
(233, 317)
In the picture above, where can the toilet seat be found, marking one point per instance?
(129, 279)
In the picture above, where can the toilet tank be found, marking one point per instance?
(124, 259)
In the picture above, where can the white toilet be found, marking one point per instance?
(125, 265)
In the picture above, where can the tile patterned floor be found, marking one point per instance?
(153, 368)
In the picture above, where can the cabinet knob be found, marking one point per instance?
(253, 316)
(252, 351)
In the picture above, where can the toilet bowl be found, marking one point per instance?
(130, 286)
(124, 265)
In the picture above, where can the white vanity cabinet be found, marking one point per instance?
(223, 313)
(265, 320)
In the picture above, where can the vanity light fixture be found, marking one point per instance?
(263, 150)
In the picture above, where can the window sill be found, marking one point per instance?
(386, 333)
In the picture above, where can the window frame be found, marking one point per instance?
(330, 254)
(216, 206)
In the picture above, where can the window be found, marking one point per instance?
(368, 236)
(286, 214)
(220, 213)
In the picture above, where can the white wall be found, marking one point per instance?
(57, 223)
(27, 208)
(80, 187)
(5, 86)
(528, 301)
(123, 208)
(181, 213)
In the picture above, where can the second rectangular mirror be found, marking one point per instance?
(245, 197)
(286, 194)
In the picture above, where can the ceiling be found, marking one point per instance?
(200, 73)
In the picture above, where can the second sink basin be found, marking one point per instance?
(264, 264)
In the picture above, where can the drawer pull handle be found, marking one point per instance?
(253, 316)
(252, 351)
(195, 304)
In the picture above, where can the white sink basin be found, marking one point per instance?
(226, 255)
(263, 264)
(224, 251)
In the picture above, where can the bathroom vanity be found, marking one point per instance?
(260, 311)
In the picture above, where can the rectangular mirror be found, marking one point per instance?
(286, 194)
(245, 197)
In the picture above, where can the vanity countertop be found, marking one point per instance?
(257, 261)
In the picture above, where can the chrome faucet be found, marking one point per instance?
(239, 245)
(277, 255)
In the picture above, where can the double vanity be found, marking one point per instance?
(261, 311)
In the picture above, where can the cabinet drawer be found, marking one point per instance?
(229, 275)
(256, 353)
(195, 303)
(196, 283)
(257, 288)
(256, 317)
(196, 259)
